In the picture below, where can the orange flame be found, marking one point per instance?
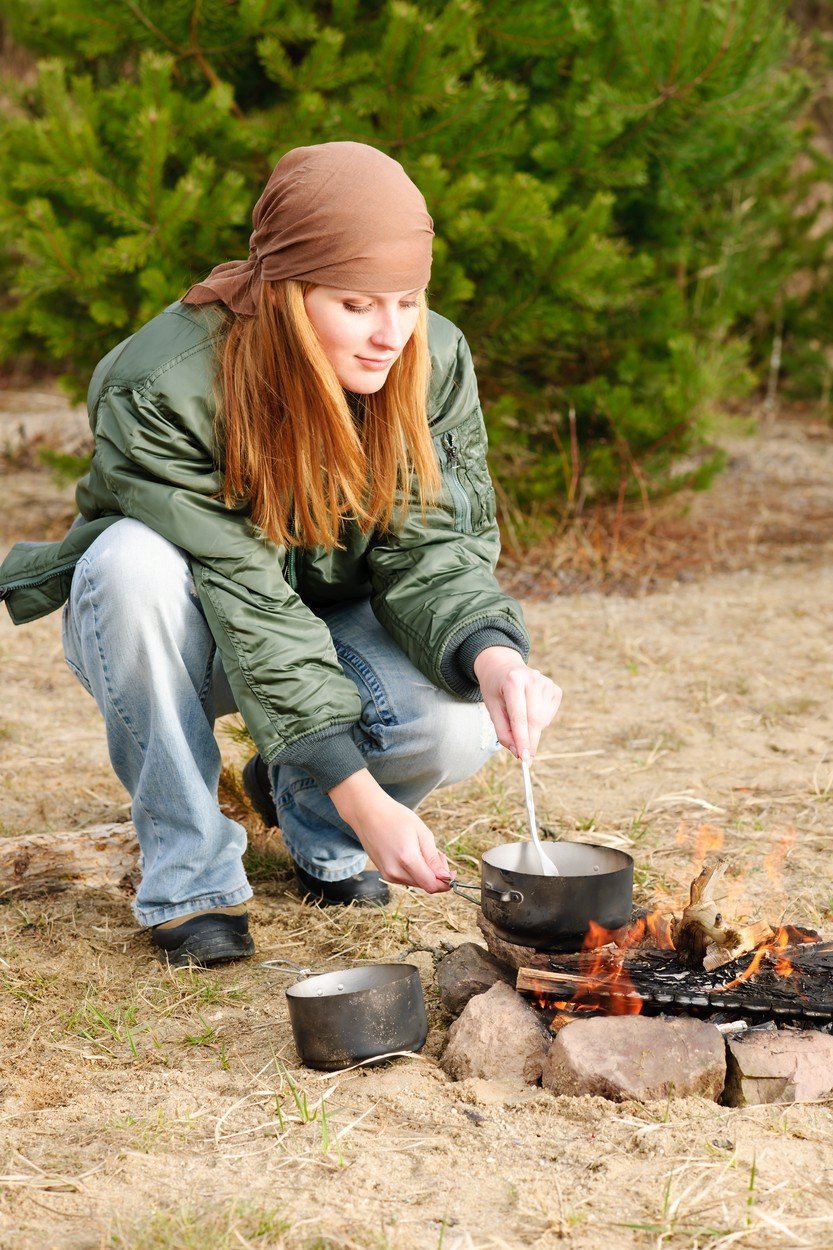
(708, 839)
(607, 986)
(774, 861)
(784, 937)
(655, 925)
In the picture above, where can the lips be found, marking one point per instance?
(370, 363)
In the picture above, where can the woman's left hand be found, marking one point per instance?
(520, 700)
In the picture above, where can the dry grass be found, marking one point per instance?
(152, 1109)
(745, 520)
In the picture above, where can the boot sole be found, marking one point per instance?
(208, 948)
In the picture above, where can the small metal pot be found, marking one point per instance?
(554, 913)
(342, 1018)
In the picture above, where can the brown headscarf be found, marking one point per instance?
(337, 214)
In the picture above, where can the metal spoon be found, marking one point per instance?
(548, 868)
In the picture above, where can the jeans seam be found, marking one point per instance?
(65, 641)
(316, 870)
(202, 694)
(287, 796)
(104, 669)
(357, 662)
(77, 673)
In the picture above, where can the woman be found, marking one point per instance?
(276, 521)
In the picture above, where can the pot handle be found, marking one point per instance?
(286, 965)
(460, 887)
(502, 896)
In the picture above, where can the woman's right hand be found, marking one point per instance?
(400, 845)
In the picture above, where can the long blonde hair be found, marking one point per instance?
(290, 443)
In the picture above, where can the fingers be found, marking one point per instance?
(435, 861)
(419, 863)
(500, 720)
(419, 873)
(531, 701)
(515, 696)
(542, 703)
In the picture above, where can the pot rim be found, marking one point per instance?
(310, 986)
(625, 862)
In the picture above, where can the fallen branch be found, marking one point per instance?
(99, 858)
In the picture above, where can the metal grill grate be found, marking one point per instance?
(654, 977)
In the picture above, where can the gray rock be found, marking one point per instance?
(467, 971)
(783, 1066)
(497, 1036)
(621, 1057)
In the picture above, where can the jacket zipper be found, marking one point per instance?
(289, 572)
(452, 454)
(6, 590)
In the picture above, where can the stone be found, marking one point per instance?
(637, 1057)
(507, 953)
(467, 971)
(497, 1036)
(783, 1066)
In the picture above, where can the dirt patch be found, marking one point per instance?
(146, 1109)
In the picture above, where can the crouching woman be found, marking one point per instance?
(289, 513)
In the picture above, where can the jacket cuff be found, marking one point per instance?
(456, 666)
(328, 757)
(470, 648)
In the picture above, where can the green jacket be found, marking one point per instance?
(431, 584)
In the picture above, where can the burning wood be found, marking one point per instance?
(615, 982)
(672, 964)
(703, 937)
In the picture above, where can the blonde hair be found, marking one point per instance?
(290, 443)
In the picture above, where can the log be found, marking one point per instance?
(99, 858)
(565, 984)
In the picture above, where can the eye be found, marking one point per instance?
(410, 303)
(358, 308)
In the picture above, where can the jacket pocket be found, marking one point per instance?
(462, 452)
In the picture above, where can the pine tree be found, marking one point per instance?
(600, 176)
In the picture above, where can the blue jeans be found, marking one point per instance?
(136, 638)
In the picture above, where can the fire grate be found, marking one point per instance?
(619, 982)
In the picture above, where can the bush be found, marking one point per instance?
(601, 177)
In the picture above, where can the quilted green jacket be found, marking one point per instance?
(431, 584)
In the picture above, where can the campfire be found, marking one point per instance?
(696, 1000)
(702, 963)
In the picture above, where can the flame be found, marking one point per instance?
(773, 950)
(607, 986)
(707, 839)
(656, 925)
(774, 861)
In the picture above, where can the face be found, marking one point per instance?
(362, 333)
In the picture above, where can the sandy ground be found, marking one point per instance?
(145, 1109)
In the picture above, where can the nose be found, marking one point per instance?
(389, 333)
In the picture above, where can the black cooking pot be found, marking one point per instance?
(360, 1014)
(554, 913)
